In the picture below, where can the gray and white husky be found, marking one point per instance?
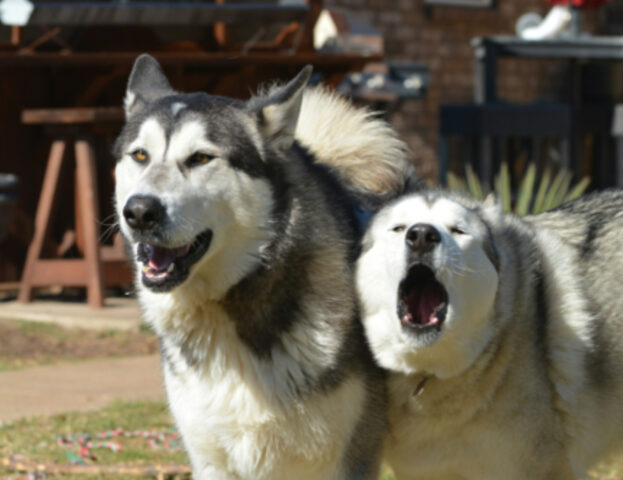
(244, 242)
(504, 336)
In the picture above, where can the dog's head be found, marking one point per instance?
(427, 279)
(198, 178)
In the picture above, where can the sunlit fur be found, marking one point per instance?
(340, 142)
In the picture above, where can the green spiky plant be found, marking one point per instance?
(531, 197)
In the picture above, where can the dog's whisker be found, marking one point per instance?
(108, 232)
(112, 216)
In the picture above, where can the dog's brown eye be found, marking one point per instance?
(140, 155)
(199, 158)
(399, 228)
(457, 231)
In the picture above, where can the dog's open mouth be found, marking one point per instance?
(422, 300)
(165, 268)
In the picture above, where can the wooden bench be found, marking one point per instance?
(99, 266)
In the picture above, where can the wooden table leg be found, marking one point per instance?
(42, 219)
(89, 208)
(221, 33)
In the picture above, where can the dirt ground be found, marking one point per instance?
(52, 369)
(26, 344)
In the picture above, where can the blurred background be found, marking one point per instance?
(523, 97)
(408, 59)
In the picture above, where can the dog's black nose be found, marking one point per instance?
(143, 212)
(422, 237)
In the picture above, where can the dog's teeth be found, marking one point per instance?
(145, 268)
(171, 267)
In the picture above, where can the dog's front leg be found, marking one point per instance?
(210, 464)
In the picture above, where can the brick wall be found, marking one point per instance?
(440, 37)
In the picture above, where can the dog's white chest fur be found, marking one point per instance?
(232, 409)
(444, 433)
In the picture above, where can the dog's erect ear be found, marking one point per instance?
(492, 206)
(278, 113)
(147, 84)
(493, 201)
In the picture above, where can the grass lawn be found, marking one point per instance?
(36, 439)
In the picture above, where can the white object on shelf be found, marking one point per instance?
(553, 25)
(341, 32)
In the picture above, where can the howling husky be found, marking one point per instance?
(243, 233)
(504, 336)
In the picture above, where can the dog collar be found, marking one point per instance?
(420, 387)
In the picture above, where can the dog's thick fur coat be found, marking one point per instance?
(244, 240)
(514, 370)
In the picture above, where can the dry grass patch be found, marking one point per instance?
(27, 344)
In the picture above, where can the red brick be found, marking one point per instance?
(442, 41)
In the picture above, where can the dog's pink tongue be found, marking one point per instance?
(161, 257)
(427, 303)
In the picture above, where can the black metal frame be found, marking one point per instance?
(487, 50)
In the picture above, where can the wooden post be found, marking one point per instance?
(89, 208)
(42, 219)
(220, 30)
(16, 36)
